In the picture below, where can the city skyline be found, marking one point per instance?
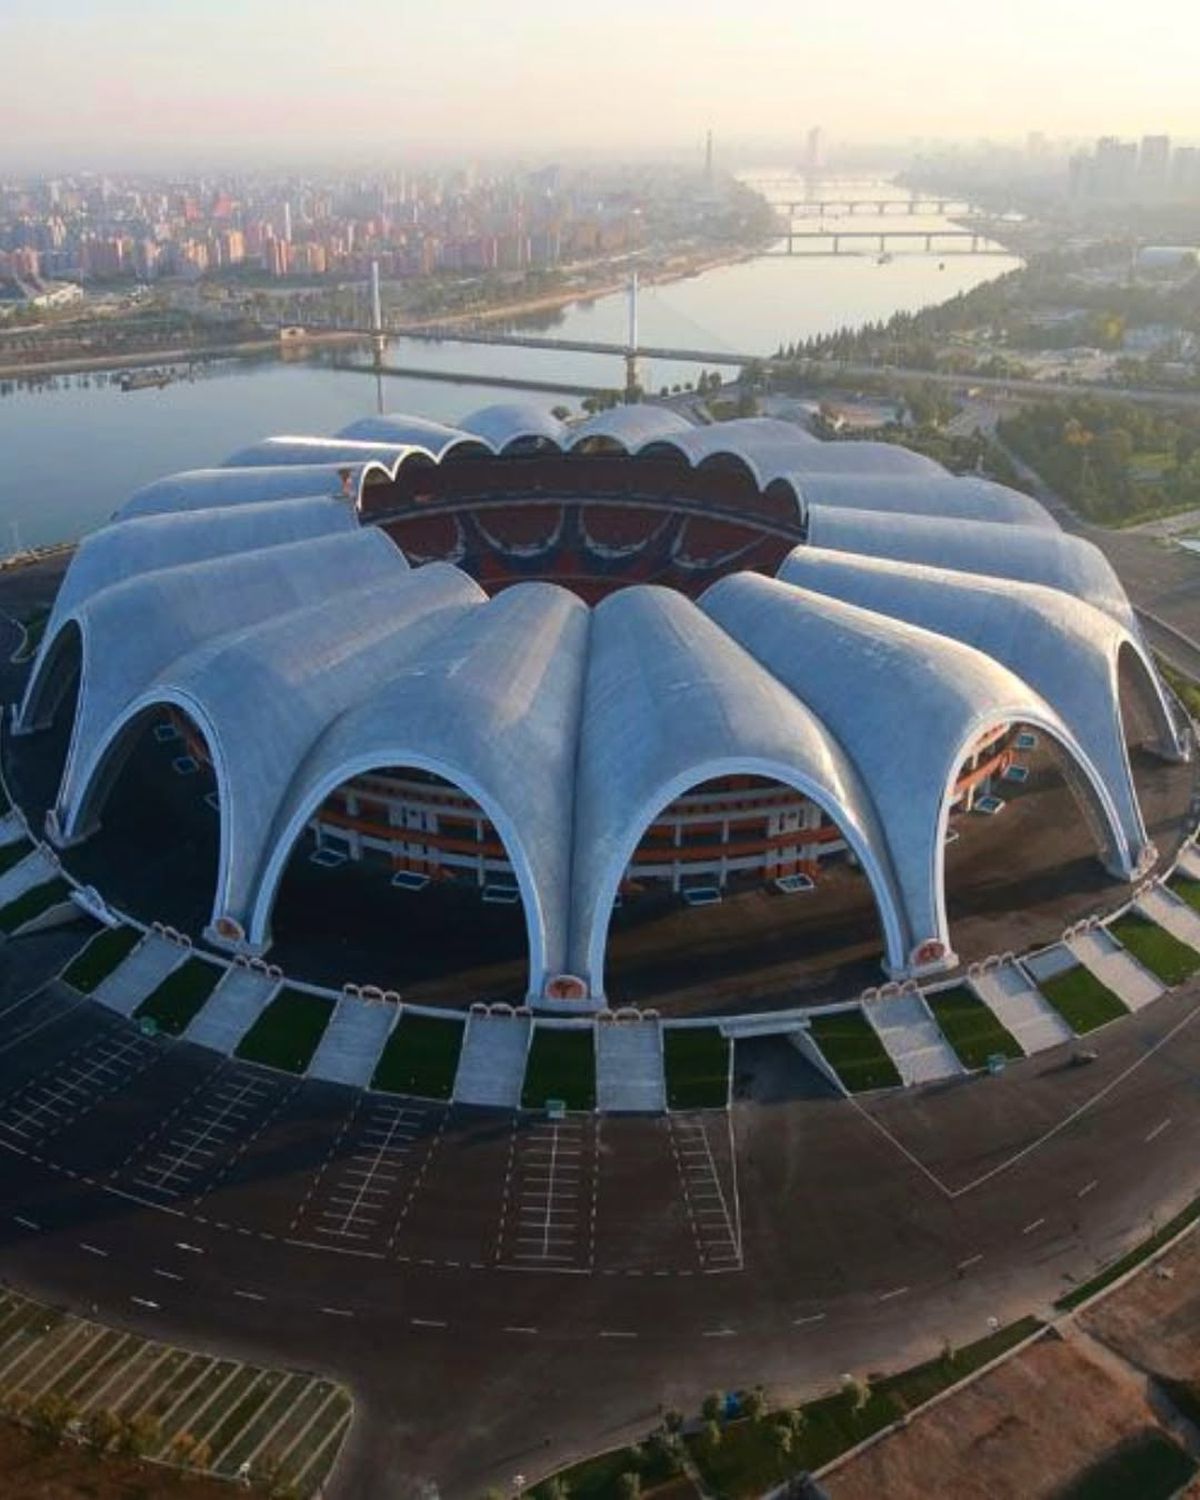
(140, 85)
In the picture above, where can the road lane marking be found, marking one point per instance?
(971, 1260)
(93, 1249)
(1158, 1130)
(145, 1302)
(812, 1318)
(252, 1296)
(25, 1223)
(428, 1323)
(617, 1333)
(1088, 1187)
(191, 1249)
(337, 1312)
(167, 1275)
(519, 1328)
(896, 1292)
(1029, 1228)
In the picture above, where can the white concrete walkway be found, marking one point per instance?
(231, 1009)
(34, 869)
(491, 1068)
(629, 1066)
(911, 1038)
(1189, 862)
(140, 974)
(1172, 913)
(1022, 1009)
(1120, 971)
(11, 829)
(353, 1041)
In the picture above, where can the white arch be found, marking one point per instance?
(891, 921)
(402, 755)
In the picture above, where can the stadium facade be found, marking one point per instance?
(565, 664)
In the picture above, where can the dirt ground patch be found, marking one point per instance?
(1019, 1433)
(1154, 1320)
(30, 1469)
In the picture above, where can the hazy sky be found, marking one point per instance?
(103, 81)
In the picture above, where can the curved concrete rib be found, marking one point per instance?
(671, 701)
(491, 705)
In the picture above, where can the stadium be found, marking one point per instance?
(562, 714)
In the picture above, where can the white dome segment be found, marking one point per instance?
(306, 652)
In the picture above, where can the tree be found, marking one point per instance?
(754, 1404)
(711, 1436)
(781, 1439)
(629, 1485)
(672, 1419)
(713, 1407)
(561, 412)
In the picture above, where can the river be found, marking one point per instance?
(73, 447)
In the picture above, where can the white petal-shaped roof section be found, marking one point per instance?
(315, 450)
(1034, 556)
(1067, 651)
(178, 609)
(744, 435)
(147, 543)
(965, 497)
(629, 426)
(211, 489)
(514, 421)
(492, 705)
(672, 701)
(264, 694)
(409, 432)
(907, 705)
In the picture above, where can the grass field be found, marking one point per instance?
(106, 950)
(181, 994)
(286, 1034)
(748, 1460)
(13, 854)
(181, 1407)
(39, 899)
(853, 1051)
(696, 1062)
(1082, 1001)
(561, 1065)
(1160, 951)
(421, 1057)
(971, 1028)
(1186, 889)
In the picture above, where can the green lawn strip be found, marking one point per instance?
(598, 1478)
(310, 1442)
(35, 901)
(244, 1409)
(696, 1062)
(210, 1421)
(110, 947)
(181, 994)
(1082, 1001)
(1186, 889)
(174, 1376)
(334, 1426)
(1134, 1257)
(80, 1371)
(302, 1412)
(853, 1051)
(1157, 949)
(286, 1034)
(1149, 1465)
(13, 854)
(561, 1064)
(971, 1028)
(749, 1459)
(420, 1057)
(193, 1403)
(270, 1410)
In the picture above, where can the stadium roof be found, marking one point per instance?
(306, 650)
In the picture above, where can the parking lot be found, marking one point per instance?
(174, 1127)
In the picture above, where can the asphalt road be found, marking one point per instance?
(806, 1237)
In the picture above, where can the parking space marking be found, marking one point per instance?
(715, 1228)
(548, 1218)
(73, 1085)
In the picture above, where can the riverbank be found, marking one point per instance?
(156, 357)
(680, 268)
